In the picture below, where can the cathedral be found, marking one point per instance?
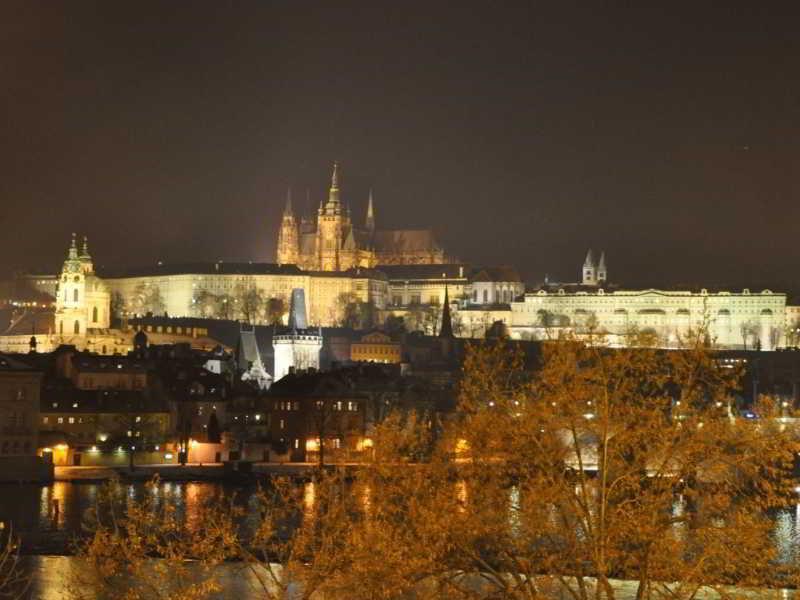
(334, 243)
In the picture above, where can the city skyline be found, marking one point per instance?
(522, 137)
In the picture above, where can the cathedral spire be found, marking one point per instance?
(333, 205)
(288, 209)
(446, 330)
(370, 222)
(85, 252)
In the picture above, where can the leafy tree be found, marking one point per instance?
(274, 311)
(249, 302)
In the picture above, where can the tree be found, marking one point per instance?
(394, 325)
(751, 332)
(604, 464)
(249, 302)
(274, 311)
(14, 582)
(355, 313)
(143, 549)
(146, 299)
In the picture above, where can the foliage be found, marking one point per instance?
(143, 549)
(14, 582)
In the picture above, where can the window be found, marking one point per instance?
(75, 295)
(61, 327)
(94, 315)
(485, 296)
(45, 420)
(71, 420)
(60, 420)
(282, 424)
(76, 327)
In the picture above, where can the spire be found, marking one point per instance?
(288, 210)
(335, 177)
(85, 252)
(73, 248)
(602, 271)
(370, 222)
(446, 330)
(333, 195)
(589, 262)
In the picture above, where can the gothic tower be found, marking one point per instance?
(589, 270)
(332, 221)
(288, 240)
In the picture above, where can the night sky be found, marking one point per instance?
(522, 133)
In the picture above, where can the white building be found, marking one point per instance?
(299, 348)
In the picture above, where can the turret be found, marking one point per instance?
(333, 205)
(589, 270)
(602, 272)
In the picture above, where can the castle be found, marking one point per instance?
(335, 243)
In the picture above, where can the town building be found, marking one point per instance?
(20, 388)
(333, 242)
(377, 347)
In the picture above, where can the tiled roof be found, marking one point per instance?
(404, 241)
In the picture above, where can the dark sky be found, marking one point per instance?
(522, 133)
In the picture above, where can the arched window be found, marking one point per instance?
(94, 314)
(77, 327)
(75, 295)
(485, 296)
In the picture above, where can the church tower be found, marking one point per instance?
(589, 270)
(332, 223)
(288, 240)
(83, 301)
(602, 272)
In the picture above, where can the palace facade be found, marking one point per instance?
(333, 242)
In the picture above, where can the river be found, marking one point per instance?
(47, 532)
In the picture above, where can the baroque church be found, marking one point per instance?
(333, 242)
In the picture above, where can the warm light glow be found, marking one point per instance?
(102, 437)
(47, 450)
(93, 449)
(312, 445)
(61, 447)
(192, 443)
(462, 446)
(365, 444)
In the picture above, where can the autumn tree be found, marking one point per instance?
(599, 465)
(14, 582)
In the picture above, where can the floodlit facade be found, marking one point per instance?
(742, 319)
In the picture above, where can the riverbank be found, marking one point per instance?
(189, 472)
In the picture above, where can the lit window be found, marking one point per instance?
(282, 424)
(60, 419)
(45, 419)
(71, 420)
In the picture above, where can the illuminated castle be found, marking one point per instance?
(335, 243)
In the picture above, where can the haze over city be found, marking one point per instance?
(521, 134)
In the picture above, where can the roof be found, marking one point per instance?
(208, 268)
(10, 363)
(502, 273)
(449, 271)
(404, 241)
(28, 322)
